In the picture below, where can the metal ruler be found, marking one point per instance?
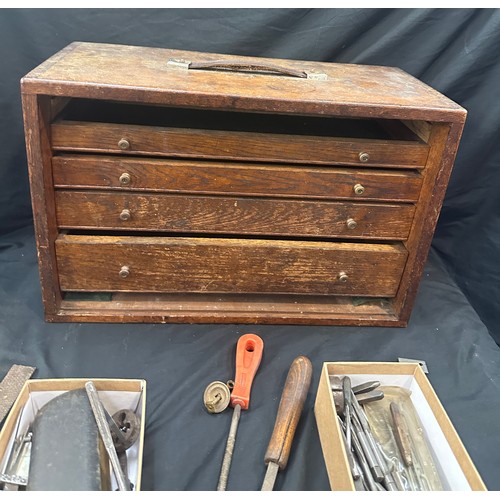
(11, 386)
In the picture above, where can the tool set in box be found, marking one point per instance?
(207, 188)
(381, 428)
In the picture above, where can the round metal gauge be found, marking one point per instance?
(217, 397)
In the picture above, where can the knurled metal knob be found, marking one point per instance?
(125, 214)
(124, 272)
(343, 277)
(359, 189)
(125, 179)
(364, 157)
(123, 144)
(351, 224)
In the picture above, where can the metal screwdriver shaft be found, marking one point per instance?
(248, 355)
(105, 433)
(228, 454)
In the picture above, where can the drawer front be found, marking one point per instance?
(232, 145)
(205, 214)
(147, 264)
(237, 179)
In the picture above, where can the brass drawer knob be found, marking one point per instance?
(123, 144)
(351, 224)
(125, 214)
(364, 157)
(124, 272)
(343, 277)
(359, 189)
(125, 179)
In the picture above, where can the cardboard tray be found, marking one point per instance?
(455, 467)
(115, 394)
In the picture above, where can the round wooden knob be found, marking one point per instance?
(124, 272)
(343, 277)
(125, 179)
(351, 224)
(359, 189)
(125, 214)
(123, 144)
(364, 157)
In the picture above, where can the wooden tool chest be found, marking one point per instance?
(173, 186)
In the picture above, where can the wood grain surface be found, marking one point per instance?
(290, 408)
(233, 145)
(97, 70)
(129, 307)
(223, 215)
(177, 176)
(92, 263)
(233, 156)
(36, 113)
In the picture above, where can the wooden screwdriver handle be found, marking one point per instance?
(401, 434)
(292, 401)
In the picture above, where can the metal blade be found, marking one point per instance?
(105, 433)
(271, 473)
(228, 454)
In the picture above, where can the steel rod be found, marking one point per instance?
(105, 433)
(228, 454)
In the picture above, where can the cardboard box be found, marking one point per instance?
(456, 469)
(115, 394)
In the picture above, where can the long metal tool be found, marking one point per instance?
(11, 386)
(248, 355)
(292, 401)
(102, 425)
(388, 478)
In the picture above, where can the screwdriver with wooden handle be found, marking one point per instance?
(248, 356)
(292, 401)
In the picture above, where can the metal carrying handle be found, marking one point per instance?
(240, 65)
(236, 65)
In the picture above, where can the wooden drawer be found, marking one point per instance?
(223, 215)
(236, 145)
(177, 176)
(146, 264)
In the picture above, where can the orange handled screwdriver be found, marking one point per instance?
(248, 355)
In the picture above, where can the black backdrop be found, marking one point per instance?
(457, 51)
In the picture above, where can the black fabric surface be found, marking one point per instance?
(454, 323)
(184, 445)
(455, 51)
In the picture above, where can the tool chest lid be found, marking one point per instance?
(141, 74)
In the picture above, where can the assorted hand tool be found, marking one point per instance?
(377, 467)
(218, 396)
(105, 433)
(416, 478)
(59, 449)
(397, 461)
(292, 401)
(248, 356)
(15, 473)
(374, 472)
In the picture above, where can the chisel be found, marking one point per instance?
(290, 408)
(248, 355)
